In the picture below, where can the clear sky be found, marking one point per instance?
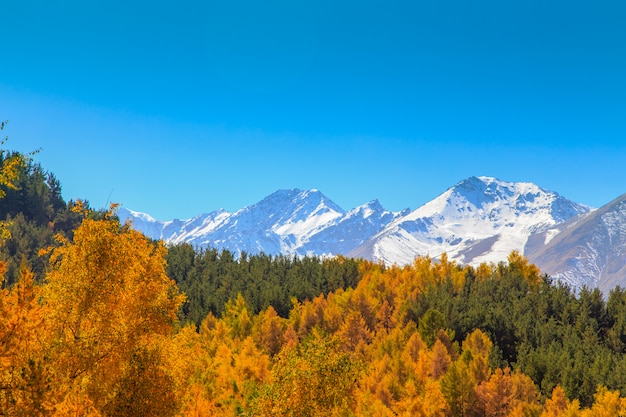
(180, 108)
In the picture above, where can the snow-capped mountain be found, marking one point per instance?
(280, 223)
(173, 231)
(292, 222)
(480, 219)
(589, 250)
(351, 230)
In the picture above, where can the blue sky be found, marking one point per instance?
(176, 109)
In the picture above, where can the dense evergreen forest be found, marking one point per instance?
(210, 278)
(33, 211)
(98, 320)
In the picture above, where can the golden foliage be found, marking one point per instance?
(9, 170)
(101, 338)
(311, 379)
(607, 404)
(90, 341)
(528, 271)
(24, 374)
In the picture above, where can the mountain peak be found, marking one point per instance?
(283, 194)
(367, 209)
(294, 194)
(492, 186)
(480, 219)
(374, 204)
(522, 196)
(474, 181)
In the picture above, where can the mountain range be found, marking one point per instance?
(480, 219)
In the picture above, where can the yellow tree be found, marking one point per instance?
(528, 271)
(484, 271)
(187, 359)
(465, 374)
(111, 305)
(334, 309)
(559, 406)
(233, 372)
(354, 333)
(237, 317)
(446, 269)
(495, 395)
(24, 374)
(314, 378)
(213, 367)
(307, 317)
(368, 405)
(507, 395)
(556, 404)
(377, 385)
(385, 320)
(476, 348)
(413, 350)
(439, 360)
(607, 404)
(526, 410)
(268, 330)
(422, 402)
(10, 165)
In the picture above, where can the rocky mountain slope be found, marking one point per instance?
(589, 250)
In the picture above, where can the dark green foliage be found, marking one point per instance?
(35, 212)
(26, 240)
(429, 324)
(210, 278)
(37, 196)
(550, 333)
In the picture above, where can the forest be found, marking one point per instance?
(98, 320)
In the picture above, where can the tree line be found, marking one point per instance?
(211, 277)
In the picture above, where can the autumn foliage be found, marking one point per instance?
(102, 335)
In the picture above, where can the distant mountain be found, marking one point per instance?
(480, 219)
(589, 250)
(292, 222)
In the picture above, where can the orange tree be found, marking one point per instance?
(112, 310)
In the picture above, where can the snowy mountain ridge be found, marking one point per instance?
(293, 222)
(480, 219)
